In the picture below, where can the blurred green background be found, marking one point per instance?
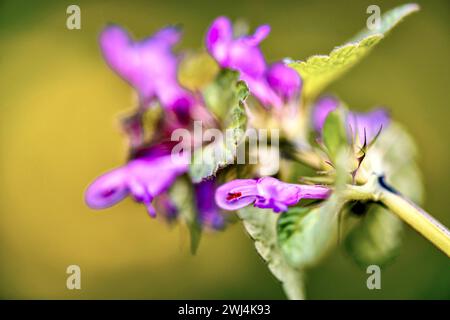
(58, 131)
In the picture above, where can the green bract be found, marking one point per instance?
(377, 237)
(334, 133)
(184, 200)
(305, 234)
(226, 93)
(261, 225)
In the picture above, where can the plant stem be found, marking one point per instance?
(376, 189)
(418, 219)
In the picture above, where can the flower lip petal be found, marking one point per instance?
(107, 190)
(156, 175)
(266, 192)
(243, 193)
(276, 206)
(143, 178)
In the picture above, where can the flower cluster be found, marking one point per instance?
(150, 66)
(318, 135)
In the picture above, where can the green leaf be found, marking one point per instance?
(221, 94)
(395, 154)
(334, 133)
(182, 195)
(306, 234)
(377, 238)
(388, 21)
(209, 159)
(320, 70)
(261, 225)
(236, 122)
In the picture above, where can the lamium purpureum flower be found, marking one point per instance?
(142, 178)
(151, 68)
(273, 85)
(266, 192)
(364, 126)
(148, 65)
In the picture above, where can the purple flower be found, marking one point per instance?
(266, 192)
(274, 85)
(359, 125)
(243, 53)
(368, 125)
(143, 178)
(321, 110)
(284, 81)
(208, 211)
(167, 206)
(148, 65)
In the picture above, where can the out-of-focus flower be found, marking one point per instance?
(208, 212)
(167, 206)
(273, 85)
(364, 126)
(321, 110)
(148, 65)
(368, 124)
(284, 81)
(266, 192)
(142, 178)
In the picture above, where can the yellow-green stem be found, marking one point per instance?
(376, 189)
(417, 218)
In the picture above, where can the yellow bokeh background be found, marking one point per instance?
(59, 107)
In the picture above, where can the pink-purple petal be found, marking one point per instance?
(367, 125)
(218, 37)
(143, 179)
(148, 65)
(320, 112)
(361, 125)
(107, 190)
(236, 194)
(285, 81)
(266, 193)
(314, 192)
(271, 188)
(273, 87)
